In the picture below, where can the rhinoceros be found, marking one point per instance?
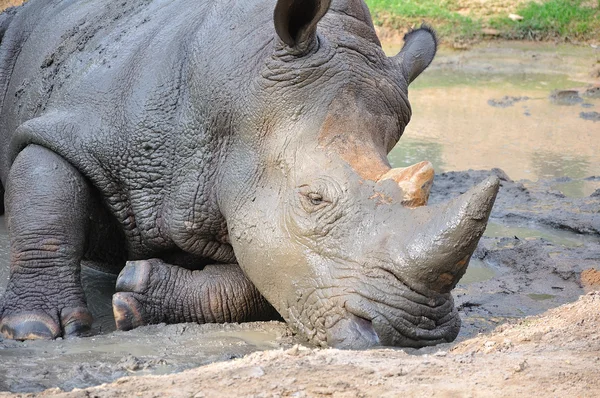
(229, 159)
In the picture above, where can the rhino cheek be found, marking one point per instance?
(269, 259)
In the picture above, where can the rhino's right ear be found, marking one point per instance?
(296, 20)
(420, 46)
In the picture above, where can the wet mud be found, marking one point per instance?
(593, 116)
(158, 349)
(538, 243)
(553, 355)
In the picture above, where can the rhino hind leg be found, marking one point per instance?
(152, 291)
(47, 206)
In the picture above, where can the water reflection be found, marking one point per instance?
(551, 164)
(412, 151)
(578, 188)
(455, 128)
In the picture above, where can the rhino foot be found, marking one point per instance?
(152, 291)
(129, 311)
(40, 324)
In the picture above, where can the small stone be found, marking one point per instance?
(256, 372)
(520, 367)
(295, 350)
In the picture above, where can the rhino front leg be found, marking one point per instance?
(47, 207)
(152, 291)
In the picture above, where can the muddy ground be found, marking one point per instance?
(555, 355)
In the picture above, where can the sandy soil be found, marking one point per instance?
(9, 3)
(556, 354)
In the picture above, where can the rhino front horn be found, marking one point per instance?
(438, 253)
(415, 182)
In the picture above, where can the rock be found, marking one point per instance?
(490, 32)
(565, 97)
(593, 116)
(593, 91)
(521, 366)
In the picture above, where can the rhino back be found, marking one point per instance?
(138, 95)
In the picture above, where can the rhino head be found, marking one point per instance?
(340, 243)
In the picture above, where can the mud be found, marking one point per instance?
(565, 97)
(593, 116)
(158, 349)
(555, 355)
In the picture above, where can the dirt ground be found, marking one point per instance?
(555, 354)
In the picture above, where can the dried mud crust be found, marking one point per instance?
(556, 354)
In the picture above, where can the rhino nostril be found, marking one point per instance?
(353, 332)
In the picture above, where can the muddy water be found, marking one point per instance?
(486, 108)
(495, 107)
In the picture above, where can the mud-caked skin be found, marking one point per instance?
(234, 152)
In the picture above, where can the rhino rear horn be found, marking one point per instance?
(415, 182)
(296, 20)
(417, 53)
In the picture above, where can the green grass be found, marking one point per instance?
(441, 14)
(577, 20)
(554, 19)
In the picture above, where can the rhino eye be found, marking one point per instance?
(315, 198)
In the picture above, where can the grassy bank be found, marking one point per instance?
(467, 21)
(471, 20)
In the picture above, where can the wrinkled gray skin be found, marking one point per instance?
(229, 148)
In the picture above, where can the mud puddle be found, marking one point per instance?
(541, 249)
(159, 349)
(108, 355)
(531, 231)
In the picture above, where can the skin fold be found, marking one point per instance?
(229, 160)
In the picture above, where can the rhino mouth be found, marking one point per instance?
(405, 317)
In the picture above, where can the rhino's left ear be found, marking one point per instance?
(419, 49)
(296, 20)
